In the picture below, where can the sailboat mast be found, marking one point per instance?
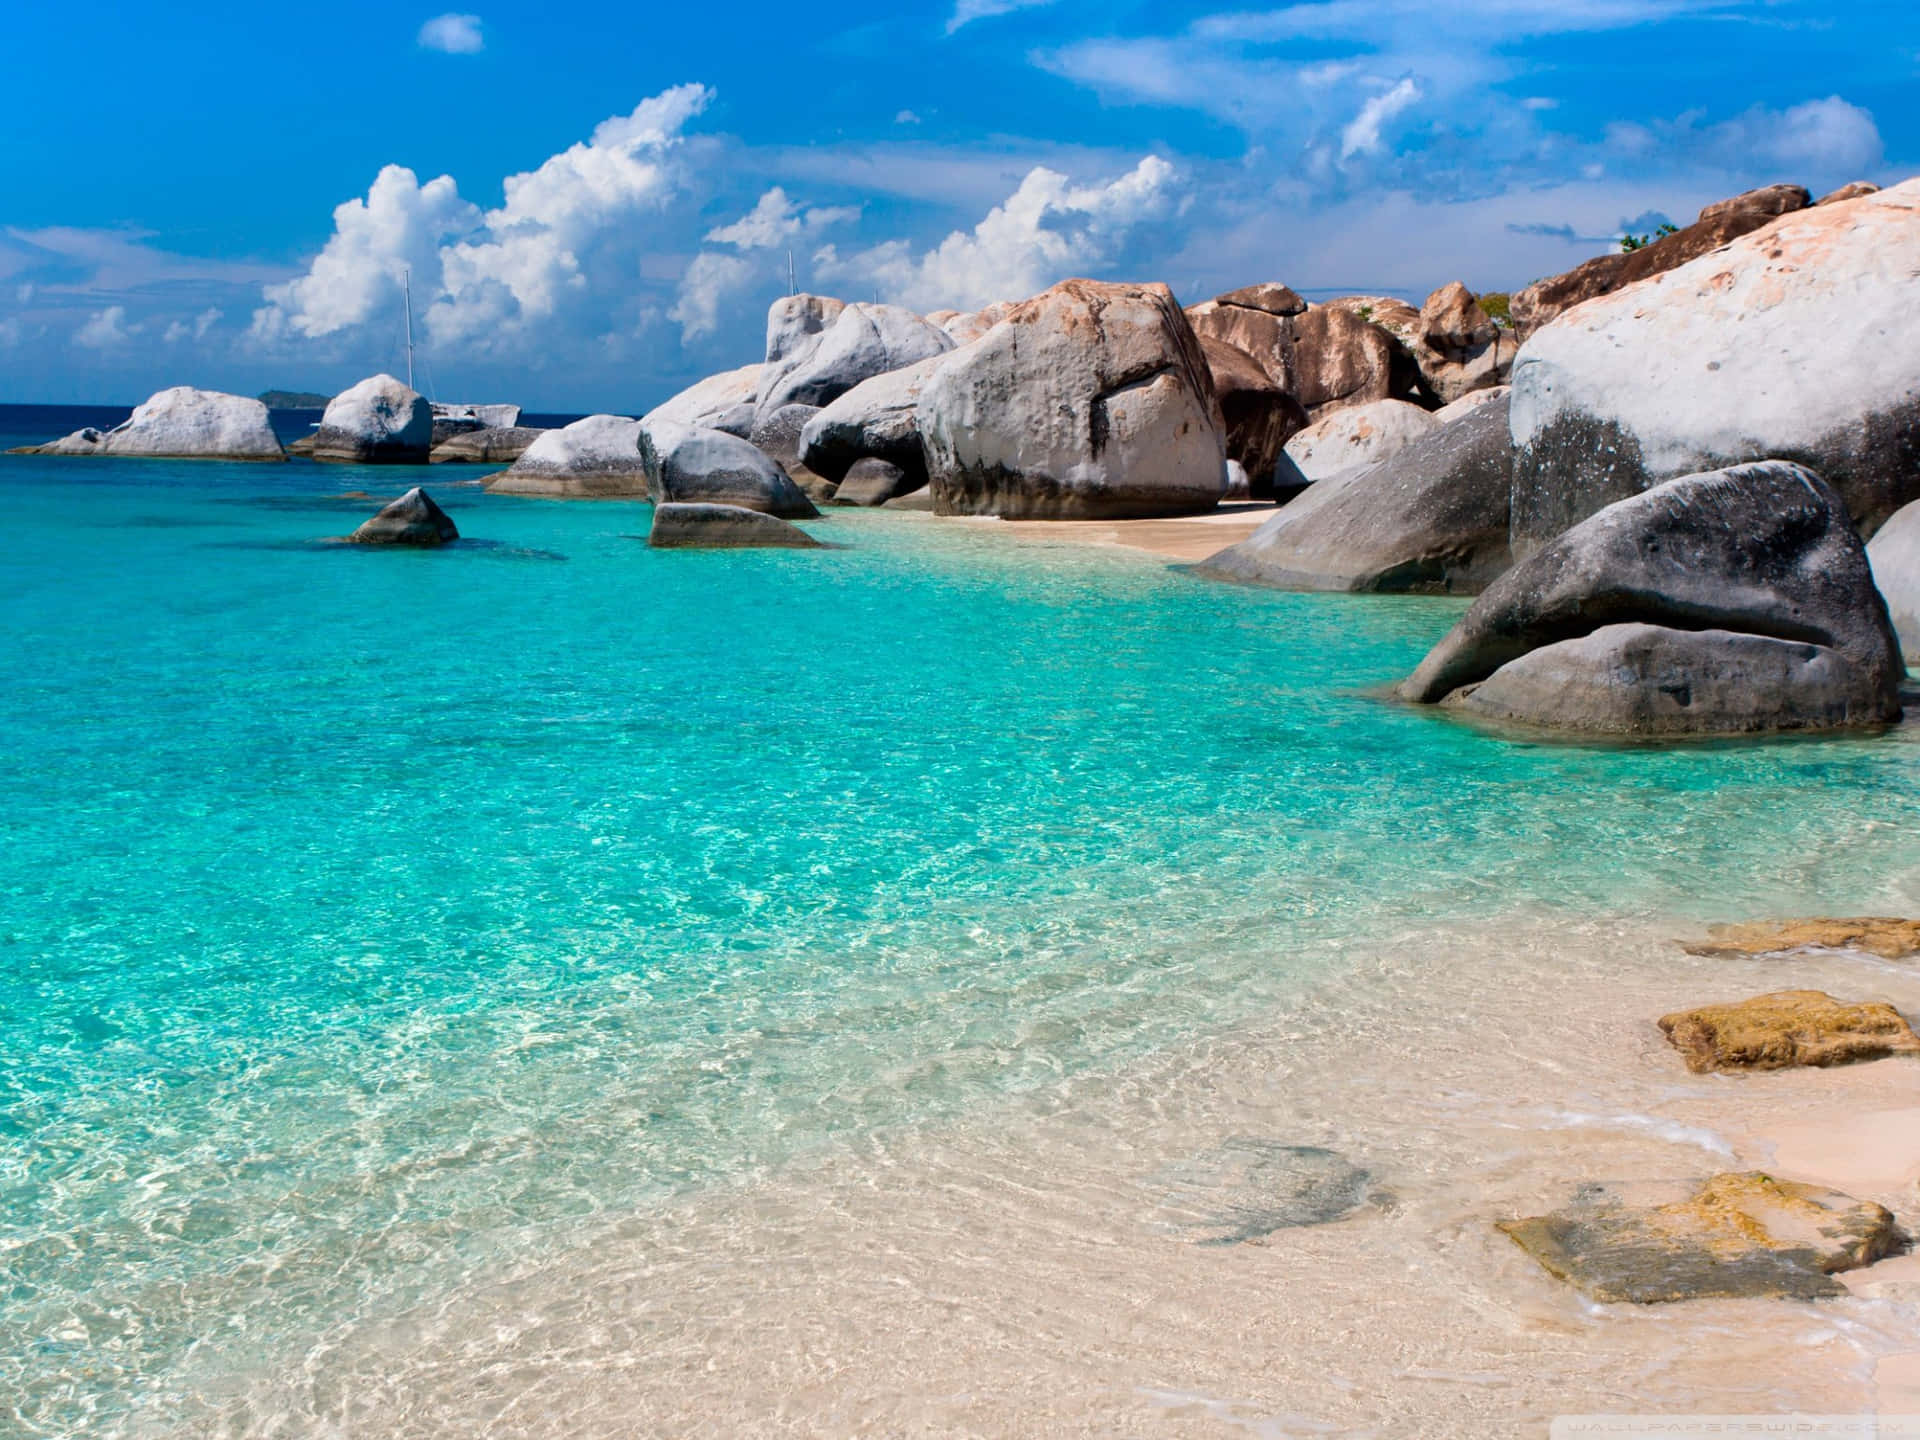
(407, 292)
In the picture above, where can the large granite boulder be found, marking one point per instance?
(1357, 437)
(1430, 519)
(1789, 343)
(1091, 401)
(1327, 357)
(1894, 553)
(793, 321)
(687, 465)
(1259, 416)
(1717, 224)
(872, 482)
(486, 446)
(1739, 1235)
(723, 527)
(1786, 1029)
(967, 327)
(874, 420)
(380, 421)
(597, 458)
(861, 342)
(777, 436)
(1459, 350)
(180, 424)
(1729, 602)
(412, 520)
(708, 401)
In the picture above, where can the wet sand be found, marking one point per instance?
(1185, 538)
(1034, 1271)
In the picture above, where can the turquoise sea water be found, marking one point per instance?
(367, 916)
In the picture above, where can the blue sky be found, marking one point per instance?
(597, 205)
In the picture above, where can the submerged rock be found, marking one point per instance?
(723, 527)
(1247, 1188)
(180, 424)
(1357, 437)
(1091, 401)
(1888, 937)
(688, 465)
(1739, 1236)
(1430, 519)
(1724, 603)
(1781, 345)
(597, 458)
(490, 446)
(412, 520)
(1786, 1029)
(380, 421)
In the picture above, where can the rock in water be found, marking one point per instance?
(1717, 225)
(875, 482)
(1259, 416)
(377, 422)
(597, 458)
(180, 424)
(1738, 1236)
(723, 527)
(1777, 346)
(1725, 603)
(863, 341)
(486, 446)
(1894, 553)
(1247, 1188)
(873, 421)
(1888, 937)
(689, 466)
(1430, 519)
(1357, 437)
(1787, 1029)
(1089, 402)
(413, 519)
(709, 400)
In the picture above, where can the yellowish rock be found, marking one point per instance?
(1741, 1234)
(1785, 1029)
(1888, 937)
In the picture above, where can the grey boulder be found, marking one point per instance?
(689, 465)
(778, 435)
(1724, 603)
(1358, 436)
(1091, 401)
(1431, 519)
(874, 420)
(486, 447)
(380, 421)
(597, 458)
(412, 520)
(1894, 553)
(861, 342)
(723, 527)
(709, 400)
(875, 482)
(1792, 342)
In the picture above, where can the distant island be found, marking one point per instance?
(293, 400)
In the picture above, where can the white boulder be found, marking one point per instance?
(182, 424)
(379, 421)
(597, 458)
(1355, 438)
(863, 341)
(708, 400)
(1894, 553)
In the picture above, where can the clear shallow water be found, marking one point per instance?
(367, 917)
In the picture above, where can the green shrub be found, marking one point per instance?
(1498, 308)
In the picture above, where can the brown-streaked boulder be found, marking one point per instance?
(1786, 1029)
(1260, 417)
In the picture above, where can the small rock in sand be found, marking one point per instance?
(1739, 1235)
(1888, 937)
(1785, 1029)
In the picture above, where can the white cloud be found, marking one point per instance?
(1362, 135)
(453, 35)
(196, 328)
(106, 329)
(9, 333)
(965, 12)
(1046, 230)
(1817, 141)
(568, 248)
(710, 280)
(775, 220)
(906, 117)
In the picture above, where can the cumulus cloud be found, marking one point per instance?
(196, 328)
(1820, 138)
(1046, 230)
(709, 281)
(775, 220)
(1362, 135)
(453, 35)
(106, 329)
(567, 247)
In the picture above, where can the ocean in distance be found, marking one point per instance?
(374, 922)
